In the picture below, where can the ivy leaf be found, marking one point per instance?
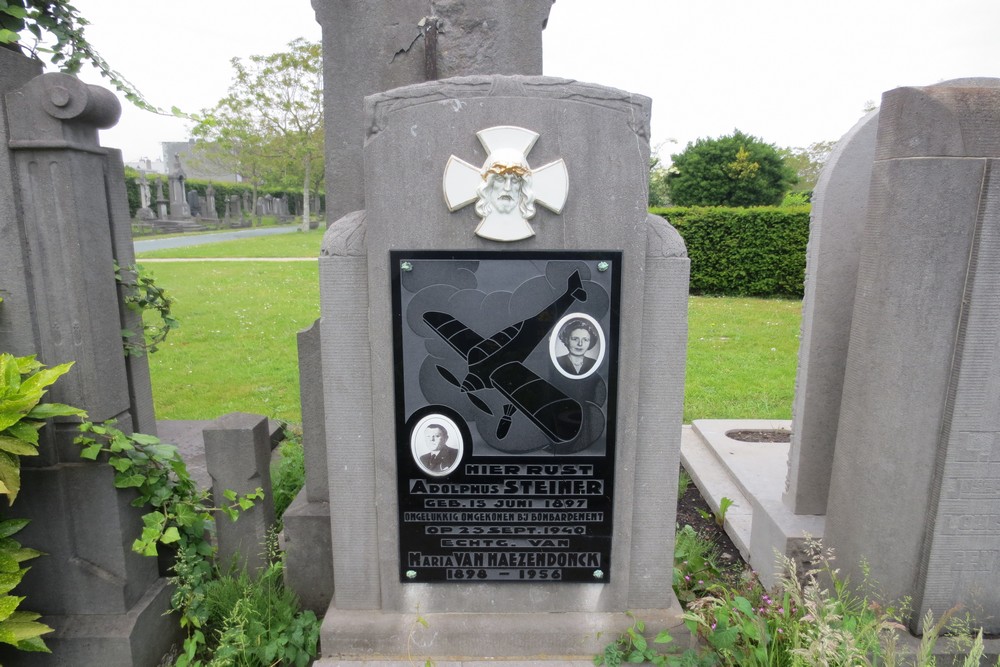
(8, 603)
(11, 526)
(17, 446)
(47, 410)
(26, 431)
(90, 452)
(10, 475)
(170, 535)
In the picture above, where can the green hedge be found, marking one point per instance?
(759, 251)
(222, 191)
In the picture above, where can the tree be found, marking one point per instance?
(733, 170)
(270, 125)
(808, 163)
(60, 21)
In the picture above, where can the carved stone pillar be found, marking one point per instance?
(71, 225)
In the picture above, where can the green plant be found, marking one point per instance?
(720, 516)
(255, 621)
(758, 251)
(683, 483)
(695, 565)
(802, 622)
(23, 383)
(142, 295)
(288, 476)
(632, 647)
(180, 516)
(733, 170)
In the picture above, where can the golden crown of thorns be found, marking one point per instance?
(506, 170)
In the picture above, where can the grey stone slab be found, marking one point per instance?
(313, 419)
(387, 37)
(138, 638)
(60, 175)
(661, 402)
(90, 567)
(15, 71)
(308, 552)
(914, 442)
(749, 474)
(238, 457)
(467, 637)
(350, 444)
(839, 212)
(604, 133)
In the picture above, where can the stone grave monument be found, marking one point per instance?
(894, 446)
(403, 43)
(67, 225)
(503, 364)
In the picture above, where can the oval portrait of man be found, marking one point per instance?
(577, 345)
(436, 444)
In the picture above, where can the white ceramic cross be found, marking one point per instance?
(505, 188)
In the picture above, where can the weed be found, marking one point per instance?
(683, 483)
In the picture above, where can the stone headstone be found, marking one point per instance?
(161, 203)
(238, 456)
(209, 208)
(914, 487)
(179, 208)
(66, 227)
(194, 202)
(394, 552)
(308, 549)
(839, 213)
(468, 38)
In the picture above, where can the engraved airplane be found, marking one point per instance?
(496, 363)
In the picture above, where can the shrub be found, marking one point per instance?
(758, 251)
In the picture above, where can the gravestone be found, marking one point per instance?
(66, 227)
(918, 441)
(161, 202)
(194, 203)
(308, 550)
(518, 502)
(179, 208)
(839, 212)
(210, 211)
(403, 43)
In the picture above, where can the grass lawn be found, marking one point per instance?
(236, 348)
(293, 244)
(741, 358)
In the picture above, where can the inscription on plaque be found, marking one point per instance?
(506, 387)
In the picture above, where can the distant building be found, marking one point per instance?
(194, 165)
(156, 166)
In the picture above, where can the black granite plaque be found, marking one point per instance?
(506, 387)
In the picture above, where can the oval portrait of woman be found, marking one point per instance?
(436, 444)
(577, 345)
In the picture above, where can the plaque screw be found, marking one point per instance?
(406, 266)
(598, 574)
(411, 574)
(602, 267)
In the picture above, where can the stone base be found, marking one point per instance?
(350, 637)
(752, 475)
(139, 638)
(308, 552)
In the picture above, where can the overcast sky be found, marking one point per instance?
(788, 71)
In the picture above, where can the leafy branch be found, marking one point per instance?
(141, 294)
(61, 21)
(23, 383)
(180, 511)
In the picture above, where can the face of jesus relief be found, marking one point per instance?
(504, 192)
